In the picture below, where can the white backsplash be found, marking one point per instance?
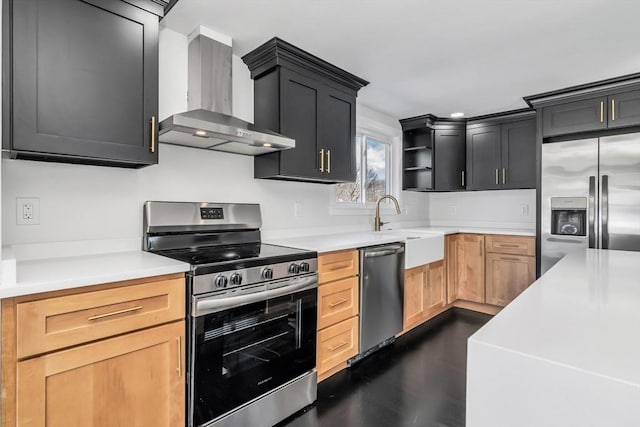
(498, 208)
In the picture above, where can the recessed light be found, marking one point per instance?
(457, 115)
(266, 144)
(201, 133)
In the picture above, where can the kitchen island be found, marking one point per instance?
(565, 352)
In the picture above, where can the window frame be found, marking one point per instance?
(393, 177)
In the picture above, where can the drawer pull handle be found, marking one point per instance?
(339, 267)
(342, 344)
(337, 303)
(509, 259)
(179, 356)
(508, 245)
(114, 313)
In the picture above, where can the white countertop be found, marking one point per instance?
(571, 337)
(584, 312)
(337, 242)
(52, 274)
(478, 230)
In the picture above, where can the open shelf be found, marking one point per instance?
(417, 179)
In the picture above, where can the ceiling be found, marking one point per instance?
(439, 56)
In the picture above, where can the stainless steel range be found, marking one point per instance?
(251, 323)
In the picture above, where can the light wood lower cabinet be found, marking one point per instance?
(424, 293)
(338, 308)
(135, 379)
(491, 269)
(508, 276)
(337, 344)
(465, 267)
(101, 356)
(510, 267)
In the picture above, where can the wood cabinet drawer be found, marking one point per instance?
(515, 245)
(337, 344)
(59, 322)
(337, 265)
(337, 301)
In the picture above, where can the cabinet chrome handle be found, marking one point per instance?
(613, 109)
(179, 369)
(462, 178)
(504, 176)
(337, 303)
(153, 134)
(497, 181)
(328, 161)
(114, 313)
(601, 111)
(322, 160)
(342, 344)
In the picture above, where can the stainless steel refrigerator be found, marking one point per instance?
(590, 196)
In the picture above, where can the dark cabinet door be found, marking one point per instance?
(518, 152)
(299, 119)
(624, 109)
(483, 157)
(338, 124)
(572, 117)
(84, 80)
(450, 159)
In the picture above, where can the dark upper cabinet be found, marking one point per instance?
(573, 117)
(483, 157)
(305, 98)
(501, 155)
(450, 159)
(598, 106)
(82, 81)
(518, 154)
(624, 109)
(433, 154)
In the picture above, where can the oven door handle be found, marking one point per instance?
(206, 305)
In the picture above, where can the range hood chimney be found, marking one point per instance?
(208, 124)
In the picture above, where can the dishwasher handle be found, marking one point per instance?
(387, 250)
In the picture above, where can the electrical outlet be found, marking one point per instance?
(27, 211)
(524, 209)
(297, 209)
(452, 210)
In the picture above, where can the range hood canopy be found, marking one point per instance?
(208, 123)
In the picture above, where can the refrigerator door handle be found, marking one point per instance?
(604, 215)
(592, 212)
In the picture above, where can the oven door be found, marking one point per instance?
(243, 352)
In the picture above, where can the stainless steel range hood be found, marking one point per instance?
(208, 123)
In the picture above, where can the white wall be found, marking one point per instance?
(500, 208)
(93, 203)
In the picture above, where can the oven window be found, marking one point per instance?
(260, 337)
(246, 351)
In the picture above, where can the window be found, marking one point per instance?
(373, 177)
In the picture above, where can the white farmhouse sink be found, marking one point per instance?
(420, 248)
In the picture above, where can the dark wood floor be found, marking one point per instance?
(418, 381)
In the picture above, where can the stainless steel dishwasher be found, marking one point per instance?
(381, 295)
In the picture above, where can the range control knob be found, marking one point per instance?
(267, 273)
(220, 281)
(304, 267)
(294, 268)
(236, 279)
